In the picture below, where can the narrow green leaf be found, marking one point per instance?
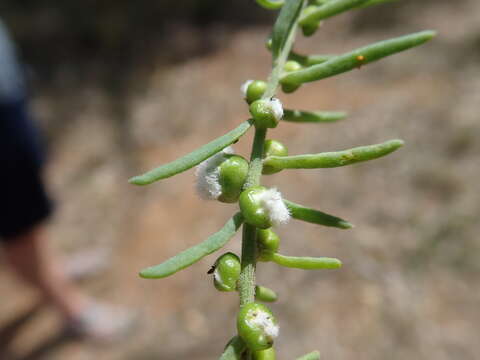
(234, 349)
(313, 116)
(367, 4)
(375, 2)
(194, 158)
(309, 60)
(306, 263)
(265, 294)
(195, 253)
(356, 58)
(319, 2)
(333, 159)
(313, 216)
(314, 355)
(284, 25)
(329, 9)
(271, 4)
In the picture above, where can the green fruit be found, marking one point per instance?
(265, 294)
(273, 148)
(268, 354)
(268, 44)
(255, 90)
(289, 88)
(232, 175)
(257, 326)
(227, 270)
(267, 243)
(266, 113)
(310, 28)
(252, 208)
(291, 66)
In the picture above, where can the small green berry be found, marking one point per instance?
(262, 207)
(309, 29)
(252, 209)
(268, 43)
(273, 148)
(255, 90)
(231, 177)
(268, 354)
(289, 88)
(291, 66)
(266, 112)
(226, 273)
(265, 294)
(221, 177)
(267, 243)
(257, 326)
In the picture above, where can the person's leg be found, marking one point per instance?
(31, 258)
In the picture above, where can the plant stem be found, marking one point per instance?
(246, 281)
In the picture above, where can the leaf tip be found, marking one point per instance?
(397, 143)
(429, 34)
(137, 180)
(146, 274)
(345, 225)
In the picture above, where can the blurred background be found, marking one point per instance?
(119, 87)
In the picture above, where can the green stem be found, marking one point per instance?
(278, 65)
(246, 281)
(256, 159)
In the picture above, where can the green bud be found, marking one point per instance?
(267, 243)
(310, 28)
(257, 326)
(265, 294)
(255, 90)
(232, 175)
(221, 177)
(266, 113)
(289, 88)
(262, 207)
(268, 44)
(273, 148)
(268, 354)
(226, 273)
(292, 65)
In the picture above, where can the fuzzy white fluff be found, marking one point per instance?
(278, 212)
(277, 108)
(263, 320)
(245, 86)
(207, 173)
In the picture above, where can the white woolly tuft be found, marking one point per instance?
(277, 210)
(264, 321)
(245, 86)
(277, 108)
(207, 174)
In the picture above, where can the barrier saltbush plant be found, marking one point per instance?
(229, 178)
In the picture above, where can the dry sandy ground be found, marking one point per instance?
(409, 285)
